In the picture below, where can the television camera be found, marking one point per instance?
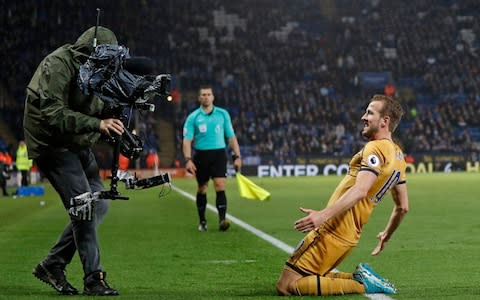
(106, 76)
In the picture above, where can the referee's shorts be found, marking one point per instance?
(210, 164)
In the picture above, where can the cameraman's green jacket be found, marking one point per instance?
(57, 114)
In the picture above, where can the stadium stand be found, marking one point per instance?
(294, 75)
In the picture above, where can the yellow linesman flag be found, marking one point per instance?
(250, 190)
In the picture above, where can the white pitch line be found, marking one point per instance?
(275, 242)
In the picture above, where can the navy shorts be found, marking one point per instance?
(210, 164)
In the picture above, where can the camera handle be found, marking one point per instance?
(113, 193)
(131, 182)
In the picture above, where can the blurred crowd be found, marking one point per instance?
(15, 167)
(287, 71)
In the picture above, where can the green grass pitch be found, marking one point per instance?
(151, 248)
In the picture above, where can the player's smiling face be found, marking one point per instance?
(372, 119)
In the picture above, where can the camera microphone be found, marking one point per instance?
(140, 65)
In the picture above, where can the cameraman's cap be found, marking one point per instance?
(104, 36)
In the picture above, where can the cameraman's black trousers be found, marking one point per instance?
(72, 174)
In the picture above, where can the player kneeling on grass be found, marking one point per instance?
(334, 231)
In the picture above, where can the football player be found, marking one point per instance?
(332, 233)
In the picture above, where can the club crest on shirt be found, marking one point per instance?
(373, 160)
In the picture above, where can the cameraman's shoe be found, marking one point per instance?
(54, 275)
(95, 285)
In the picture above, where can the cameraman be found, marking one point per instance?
(61, 124)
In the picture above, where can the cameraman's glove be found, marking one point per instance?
(82, 207)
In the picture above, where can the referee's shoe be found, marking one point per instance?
(224, 225)
(202, 227)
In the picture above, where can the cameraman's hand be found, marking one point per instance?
(109, 126)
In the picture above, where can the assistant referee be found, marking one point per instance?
(207, 128)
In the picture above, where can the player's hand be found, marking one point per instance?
(382, 240)
(190, 167)
(111, 126)
(313, 220)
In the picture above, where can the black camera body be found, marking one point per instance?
(106, 76)
(131, 145)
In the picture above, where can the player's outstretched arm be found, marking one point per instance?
(400, 197)
(357, 192)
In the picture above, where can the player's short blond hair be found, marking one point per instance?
(391, 108)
